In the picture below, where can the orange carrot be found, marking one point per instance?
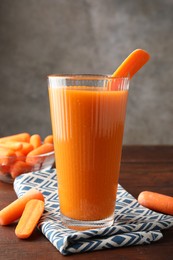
(7, 156)
(22, 137)
(5, 169)
(35, 140)
(27, 147)
(14, 210)
(29, 219)
(20, 156)
(48, 139)
(18, 168)
(16, 146)
(37, 155)
(134, 62)
(44, 148)
(156, 201)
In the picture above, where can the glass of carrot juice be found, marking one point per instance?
(87, 115)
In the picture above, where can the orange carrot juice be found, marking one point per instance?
(88, 129)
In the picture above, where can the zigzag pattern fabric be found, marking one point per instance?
(133, 224)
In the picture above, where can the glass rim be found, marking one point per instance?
(85, 76)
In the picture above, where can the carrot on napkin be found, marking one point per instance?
(29, 219)
(14, 210)
(156, 201)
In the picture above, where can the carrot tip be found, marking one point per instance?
(134, 62)
(29, 219)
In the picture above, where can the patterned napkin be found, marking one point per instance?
(133, 224)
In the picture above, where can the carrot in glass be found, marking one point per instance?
(18, 168)
(48, 139)
(35, 140)
(29, 219)
(14, 210)
(22, 137)
(7, 156)
(134, 62)
(156, 201)
(35, 156)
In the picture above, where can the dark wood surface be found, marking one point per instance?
(142, 168)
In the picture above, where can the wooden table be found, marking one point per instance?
(143, 168)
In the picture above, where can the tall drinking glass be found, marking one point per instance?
(88, 115)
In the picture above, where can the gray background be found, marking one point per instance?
(40, 37)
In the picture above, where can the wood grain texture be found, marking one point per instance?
(142, 168)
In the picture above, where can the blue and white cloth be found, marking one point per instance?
(133, 224)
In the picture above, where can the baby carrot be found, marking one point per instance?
(134, 62)
(7, 156)
(44, 148)
(18, 168)
(14, 210)
(16, 146)
(35, 140)
(29, 219)
(48, 139)
(34, 156)
(22, 137)
(5, 169)
(27, 147)
(156, 201)
(20, 156)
